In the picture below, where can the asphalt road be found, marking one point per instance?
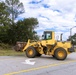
(44, 65)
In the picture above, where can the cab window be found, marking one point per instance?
(47, 36)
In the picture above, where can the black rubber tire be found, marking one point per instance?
(53, 56)
(38, 54)
(57, 56)
(33, 50)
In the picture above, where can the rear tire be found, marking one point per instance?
(31, 52)
(60, 54)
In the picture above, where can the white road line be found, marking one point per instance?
(29, 62)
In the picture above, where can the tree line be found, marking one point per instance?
(11, 31)
(22, 30)
(72, 39)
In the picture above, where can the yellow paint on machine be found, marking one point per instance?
(41, 67)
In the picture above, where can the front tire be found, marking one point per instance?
(38, 54)
(31, 52)
(60, 54)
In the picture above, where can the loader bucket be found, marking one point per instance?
(19, 46)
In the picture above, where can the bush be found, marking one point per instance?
(5, 46)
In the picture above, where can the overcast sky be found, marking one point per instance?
(56, 15)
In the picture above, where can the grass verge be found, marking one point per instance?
(10, 53)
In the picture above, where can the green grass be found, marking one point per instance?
(10, 53)
(75, 50)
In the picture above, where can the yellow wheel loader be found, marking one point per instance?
(48, 46)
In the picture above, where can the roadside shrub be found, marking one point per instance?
(5, 46)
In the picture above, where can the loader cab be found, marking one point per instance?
(48, 38)
(48, 35)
